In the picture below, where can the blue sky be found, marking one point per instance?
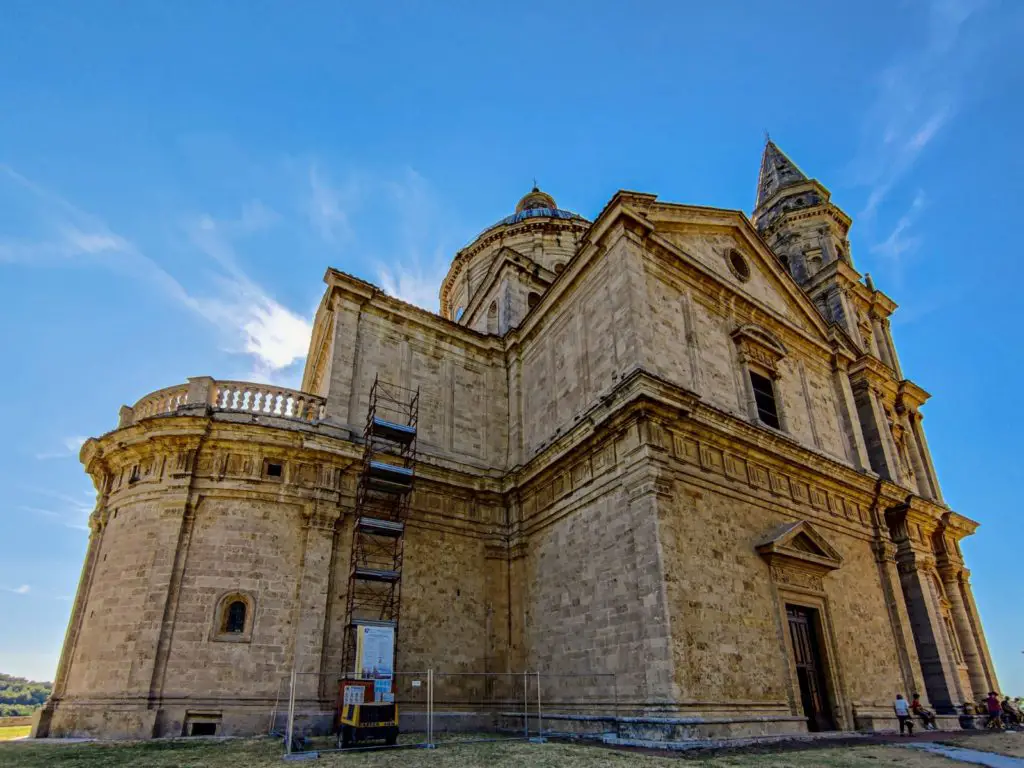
(175, 178)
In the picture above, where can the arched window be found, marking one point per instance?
(533, 299)
(235, 619)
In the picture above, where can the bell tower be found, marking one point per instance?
(808, 233)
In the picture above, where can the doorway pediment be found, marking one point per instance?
(799, 545)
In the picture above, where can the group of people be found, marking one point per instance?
(1005, 713)
(905, 713)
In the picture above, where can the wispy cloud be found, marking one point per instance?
(24, 589)
(917, 96)
(252, 321)
(394, 221)
(71, 447)
(272, 334)
(328, 204)
(413, 283)
(901, 243)
(63, 509)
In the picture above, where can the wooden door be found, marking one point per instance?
(809, 668)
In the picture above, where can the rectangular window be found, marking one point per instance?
(764, 396)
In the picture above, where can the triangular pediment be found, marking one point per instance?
(505, 259)
(800, 541)
(703, 239)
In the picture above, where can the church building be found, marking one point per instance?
(672, 447)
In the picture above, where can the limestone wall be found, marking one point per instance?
(728, 623)
(240, 545)
(581, 347)
(463, 403)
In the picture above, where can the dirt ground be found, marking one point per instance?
(263, 753)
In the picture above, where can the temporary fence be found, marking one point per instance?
(437, 708)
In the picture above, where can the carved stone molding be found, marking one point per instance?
(320, 519)
(757, 345)
(799, 556)
(796, 577)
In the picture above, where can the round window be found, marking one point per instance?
(739, 265)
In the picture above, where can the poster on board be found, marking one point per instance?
(375, 657)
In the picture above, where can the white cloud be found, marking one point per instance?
(24, 589)
(252, 321)
(72, 445)
(413, 284)
(271, 333)
(917, 96)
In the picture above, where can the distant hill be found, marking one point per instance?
(19, 696)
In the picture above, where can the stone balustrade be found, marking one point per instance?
(203, 393)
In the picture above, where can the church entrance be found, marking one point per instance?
(810, 668)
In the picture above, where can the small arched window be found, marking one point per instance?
(533, 299)
(235, 620)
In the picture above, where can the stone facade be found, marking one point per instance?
(650, 446)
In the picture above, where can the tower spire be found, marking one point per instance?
(777, 172)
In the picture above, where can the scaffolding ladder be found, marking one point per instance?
(383, 495)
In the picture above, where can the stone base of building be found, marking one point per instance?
(119, 720)
(881, 722)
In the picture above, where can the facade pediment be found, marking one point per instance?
(707, 238)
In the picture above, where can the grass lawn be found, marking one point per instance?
(1011, 744)
(263, 753)
(14, 732)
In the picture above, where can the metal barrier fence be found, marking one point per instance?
(437, 708)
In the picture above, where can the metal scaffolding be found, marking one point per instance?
(382, 506)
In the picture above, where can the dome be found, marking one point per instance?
(536, 203)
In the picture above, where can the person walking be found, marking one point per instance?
(927, 718)
(995, 711)
(903, 715)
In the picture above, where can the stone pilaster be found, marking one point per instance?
(314, 587)
(849, 420)
(917, 433)
(971, 609)
(920, 473)
(882, 345)
(646, 486)
(894, 361)
(911, 531)
(878, 439)
(97, 523)
(906, 649)
(950, 574)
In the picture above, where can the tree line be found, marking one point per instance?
(19, 696)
